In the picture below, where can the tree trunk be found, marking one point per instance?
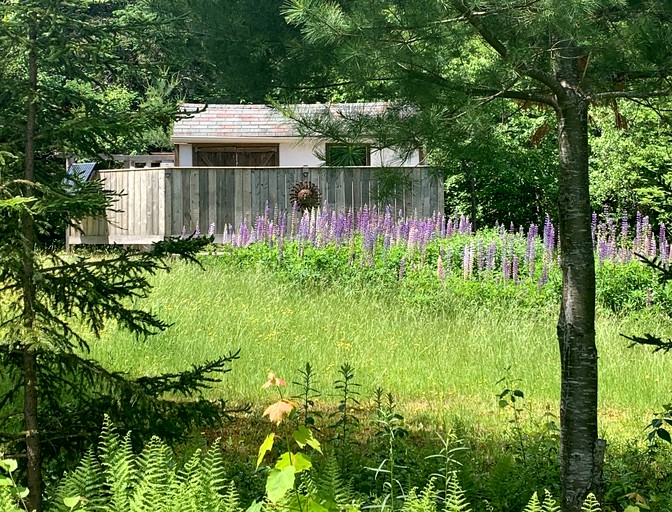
(581, 452)
(33, 456)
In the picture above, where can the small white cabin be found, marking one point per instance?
(261, 136)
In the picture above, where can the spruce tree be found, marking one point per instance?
(67, 86)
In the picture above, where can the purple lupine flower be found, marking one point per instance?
(225, 235)
(514, 269)
(465, 261)
(624, 226)
(197, 232)
(282, 230)
(369, 240)
(663, 243)
(412, 238)
(490, 253)
(530, 250)
(544, 275)
(304, 228)
(293, 219)
(259, 228)
(211, 229)
(593, 227)
(480, 255)
(244, 234)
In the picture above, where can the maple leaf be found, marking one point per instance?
(277, 411)
(273, 380)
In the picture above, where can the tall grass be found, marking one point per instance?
(440, 361)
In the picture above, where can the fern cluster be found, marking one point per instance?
(116, 480)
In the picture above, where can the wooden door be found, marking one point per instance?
(237, 156)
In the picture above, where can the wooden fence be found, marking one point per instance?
(161, 202)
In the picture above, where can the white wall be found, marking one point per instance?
(185, 156)
(299, 153)
(387, 157)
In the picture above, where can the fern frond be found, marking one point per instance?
(550, 504)
(533, 505)
(591, 504)
(230, 499)
(331, 485)
(86, 481)
(185, 489)
(211, 480)
(119, 468)
(455, 500)
(155, 474)
(424, 502)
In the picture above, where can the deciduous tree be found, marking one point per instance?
(449, 58)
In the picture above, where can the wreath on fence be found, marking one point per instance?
(305, 195)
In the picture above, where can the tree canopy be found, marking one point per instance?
(451, 59)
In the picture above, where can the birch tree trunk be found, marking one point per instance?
(581, 452)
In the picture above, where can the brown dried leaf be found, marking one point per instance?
(276, 412)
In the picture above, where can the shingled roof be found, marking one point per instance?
(218, 122)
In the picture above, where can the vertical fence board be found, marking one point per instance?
(212, 199)
(176, 202)
(204, 196)
(185, 221)
(194, 200)
(230, 198)
(163, 183)
(273, 196)
(160, 202)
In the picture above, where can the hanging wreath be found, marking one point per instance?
(305, 195)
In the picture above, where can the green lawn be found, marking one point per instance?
(441, 364)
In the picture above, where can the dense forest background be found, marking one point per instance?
(245, 51)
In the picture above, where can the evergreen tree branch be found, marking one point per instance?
(497, 45)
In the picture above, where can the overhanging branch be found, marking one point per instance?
(609, 95)
(500, 48)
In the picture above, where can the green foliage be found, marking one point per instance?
(455, 500)
(11, 494)
(345, 420)
(630, 160)
(591, 504)
(308, 395)
(239, 51)
(547, 504)
(114, 479)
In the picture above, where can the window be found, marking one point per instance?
(348, 155)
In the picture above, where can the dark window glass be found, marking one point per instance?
(347, 155)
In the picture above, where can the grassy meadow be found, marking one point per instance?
(440, 363)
